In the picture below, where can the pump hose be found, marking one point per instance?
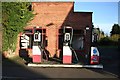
(74, 53)
(71, 37)
(71, 47)
(44, 52)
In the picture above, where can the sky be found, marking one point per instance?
(119, 13)
(105, 14)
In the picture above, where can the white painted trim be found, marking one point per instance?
(65, 65)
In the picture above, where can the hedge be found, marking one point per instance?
(15, 16)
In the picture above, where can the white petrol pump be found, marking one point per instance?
(67, 49)
(36, 51)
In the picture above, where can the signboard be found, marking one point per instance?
(94, 51)
(94, 55)
(67, 36)
(24, 41)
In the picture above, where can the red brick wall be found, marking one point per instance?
(59, 14)
(50, 12)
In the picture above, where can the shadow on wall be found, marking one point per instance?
(15, 71)
(79, 24)
(61, 36)
(74, 19)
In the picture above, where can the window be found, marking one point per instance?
(78, 39)
(78, 42)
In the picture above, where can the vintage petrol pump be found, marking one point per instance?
(94, 56)
(37, 52)
(67, 49)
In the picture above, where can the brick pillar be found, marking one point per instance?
(57, 43)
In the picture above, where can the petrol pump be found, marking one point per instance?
(94, 56)
(67, 49)
(38, 45)
(37, 51)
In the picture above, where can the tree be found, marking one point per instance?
(115, 33)
(115, 29)
(15, 16)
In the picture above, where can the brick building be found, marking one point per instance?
(51, 17)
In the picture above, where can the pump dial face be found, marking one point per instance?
(36, 36)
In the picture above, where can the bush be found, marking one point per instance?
(115, 37)
(105, 41)
(15, 17)
(119, 43)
